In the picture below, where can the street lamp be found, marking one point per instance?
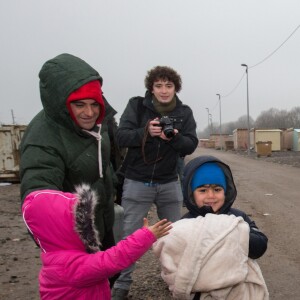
(220, 122)
(211, 127)
(208, 121)
(248, 121)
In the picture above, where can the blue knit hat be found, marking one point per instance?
(208, 173)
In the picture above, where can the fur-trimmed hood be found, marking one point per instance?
(51, 217)
(68, 269)
(85, 218)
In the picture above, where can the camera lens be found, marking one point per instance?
(169, 132)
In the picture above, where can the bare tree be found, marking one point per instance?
(242, 122)
(275, 118)
(294, 118)
(272, 118)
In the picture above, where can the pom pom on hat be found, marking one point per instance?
(90, 90)
(208, 173)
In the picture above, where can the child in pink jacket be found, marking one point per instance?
(73, 266)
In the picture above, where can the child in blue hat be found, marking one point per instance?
(208, 187)
(211, 252)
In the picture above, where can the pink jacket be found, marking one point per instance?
(72, 265)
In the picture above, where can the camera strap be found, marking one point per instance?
(158, 158)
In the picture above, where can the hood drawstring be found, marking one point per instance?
(98, 136)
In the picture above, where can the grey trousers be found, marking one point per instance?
(137, 199)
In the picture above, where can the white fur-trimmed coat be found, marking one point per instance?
(210, 254)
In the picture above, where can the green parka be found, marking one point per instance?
(55, 153)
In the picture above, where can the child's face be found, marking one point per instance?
(209, 195)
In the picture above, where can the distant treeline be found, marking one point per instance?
(272, 118)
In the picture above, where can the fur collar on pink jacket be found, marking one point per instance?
(73, 267)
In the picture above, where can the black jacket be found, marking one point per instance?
(132, 133)
(258, 241)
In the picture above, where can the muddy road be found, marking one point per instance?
(268, 191)
(270, 194)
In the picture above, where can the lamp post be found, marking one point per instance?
(248, 120)
(208, 121)
(210, 118)
(220, 121)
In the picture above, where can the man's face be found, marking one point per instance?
(209, 195)
(86, 112)
(164, 91)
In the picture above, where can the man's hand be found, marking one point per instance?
(155, 129)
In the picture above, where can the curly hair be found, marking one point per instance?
(162, 73)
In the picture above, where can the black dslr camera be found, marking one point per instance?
(166, 124)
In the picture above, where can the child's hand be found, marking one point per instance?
(159, 229)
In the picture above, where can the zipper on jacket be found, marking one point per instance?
(154, 166)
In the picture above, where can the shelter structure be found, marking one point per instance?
(296, 140)
(10, 138)
(240, 139)
(266, 135)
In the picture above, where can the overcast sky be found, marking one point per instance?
(205, 41)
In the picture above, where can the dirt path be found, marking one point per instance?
(267, 191)
(270, 193)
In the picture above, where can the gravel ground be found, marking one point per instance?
(20, 263)
(148, 284)
(291, 158)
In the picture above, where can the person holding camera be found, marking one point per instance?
(156, 130)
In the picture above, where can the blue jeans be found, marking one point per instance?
(137, 199)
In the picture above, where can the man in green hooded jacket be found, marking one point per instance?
(67, 143)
